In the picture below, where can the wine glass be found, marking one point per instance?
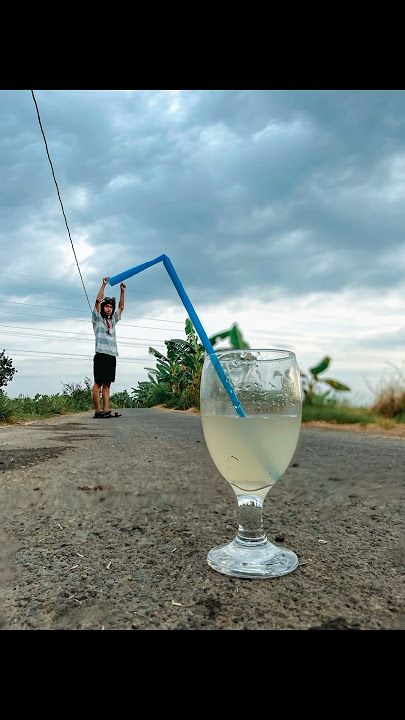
(251, 448)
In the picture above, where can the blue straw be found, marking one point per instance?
(192, 315)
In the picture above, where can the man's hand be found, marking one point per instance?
(101, 293)
(122, 299)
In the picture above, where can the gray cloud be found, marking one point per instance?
(251, 193)
(286, 188)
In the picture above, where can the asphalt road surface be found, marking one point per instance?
(106, 525)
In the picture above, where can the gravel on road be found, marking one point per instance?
(106, 525)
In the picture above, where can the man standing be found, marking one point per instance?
(105, 318)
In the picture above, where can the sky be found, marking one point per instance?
(281, 210)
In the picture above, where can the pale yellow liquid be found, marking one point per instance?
(251, 452)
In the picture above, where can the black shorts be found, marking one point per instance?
(104, 368)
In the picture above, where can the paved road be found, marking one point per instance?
(107, 524)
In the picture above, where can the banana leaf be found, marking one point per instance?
(336, 385)
(234, 335)
(189, 327)
(157, 354)
(322, 365)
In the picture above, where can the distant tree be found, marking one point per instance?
(6, 369)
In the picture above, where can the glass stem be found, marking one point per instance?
(250, 517)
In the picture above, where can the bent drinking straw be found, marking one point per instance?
(192, 315)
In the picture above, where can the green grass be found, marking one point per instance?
(78, 399)
(340, 414)
(74, 399)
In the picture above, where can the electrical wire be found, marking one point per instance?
(83, 335)
(56, 307)
(49, 354)
(60, 199)
(41, 353)
(62, 292)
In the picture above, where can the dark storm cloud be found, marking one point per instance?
(268, 191)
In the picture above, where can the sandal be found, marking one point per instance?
(98, 414)
(109, 414)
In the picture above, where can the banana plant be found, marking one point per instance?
(144, 392)
(182, 365)
(168, 370)
(189, 353)
(235, 338)
(310, 382)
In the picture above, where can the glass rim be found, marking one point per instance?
(231, 351)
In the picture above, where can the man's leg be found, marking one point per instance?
(106, 396)
(96, 397)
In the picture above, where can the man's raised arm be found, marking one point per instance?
(100, 294)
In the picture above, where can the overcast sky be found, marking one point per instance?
(281, 210)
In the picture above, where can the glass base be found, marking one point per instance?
(252, 559)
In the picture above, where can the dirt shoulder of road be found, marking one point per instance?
(395, 431)
(371, 428)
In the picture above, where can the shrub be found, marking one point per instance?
(76, 397)
(149, 394)
(390, 403)
(390, 398)
(6, 408)
(122, 399)
(190, 398)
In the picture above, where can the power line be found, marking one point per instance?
(25, 288)
(39, 353)
(59, 280)
(55, 307)
(60, 200)
(69, 332)
(54, 317)
(38, 277)
(157, 343)
(52, 353)
(85, 342)
(63, 292)
(134, 342)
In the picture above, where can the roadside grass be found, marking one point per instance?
(74, 399)
(25, 409)
(390, 395)
(347, 415)
(387, 410)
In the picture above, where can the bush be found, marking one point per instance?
(149, 394)
(122, 399)
(76, 397)
(189, 398)
(48, 405)
(390, 403)
(390, 398)
(6, 408)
